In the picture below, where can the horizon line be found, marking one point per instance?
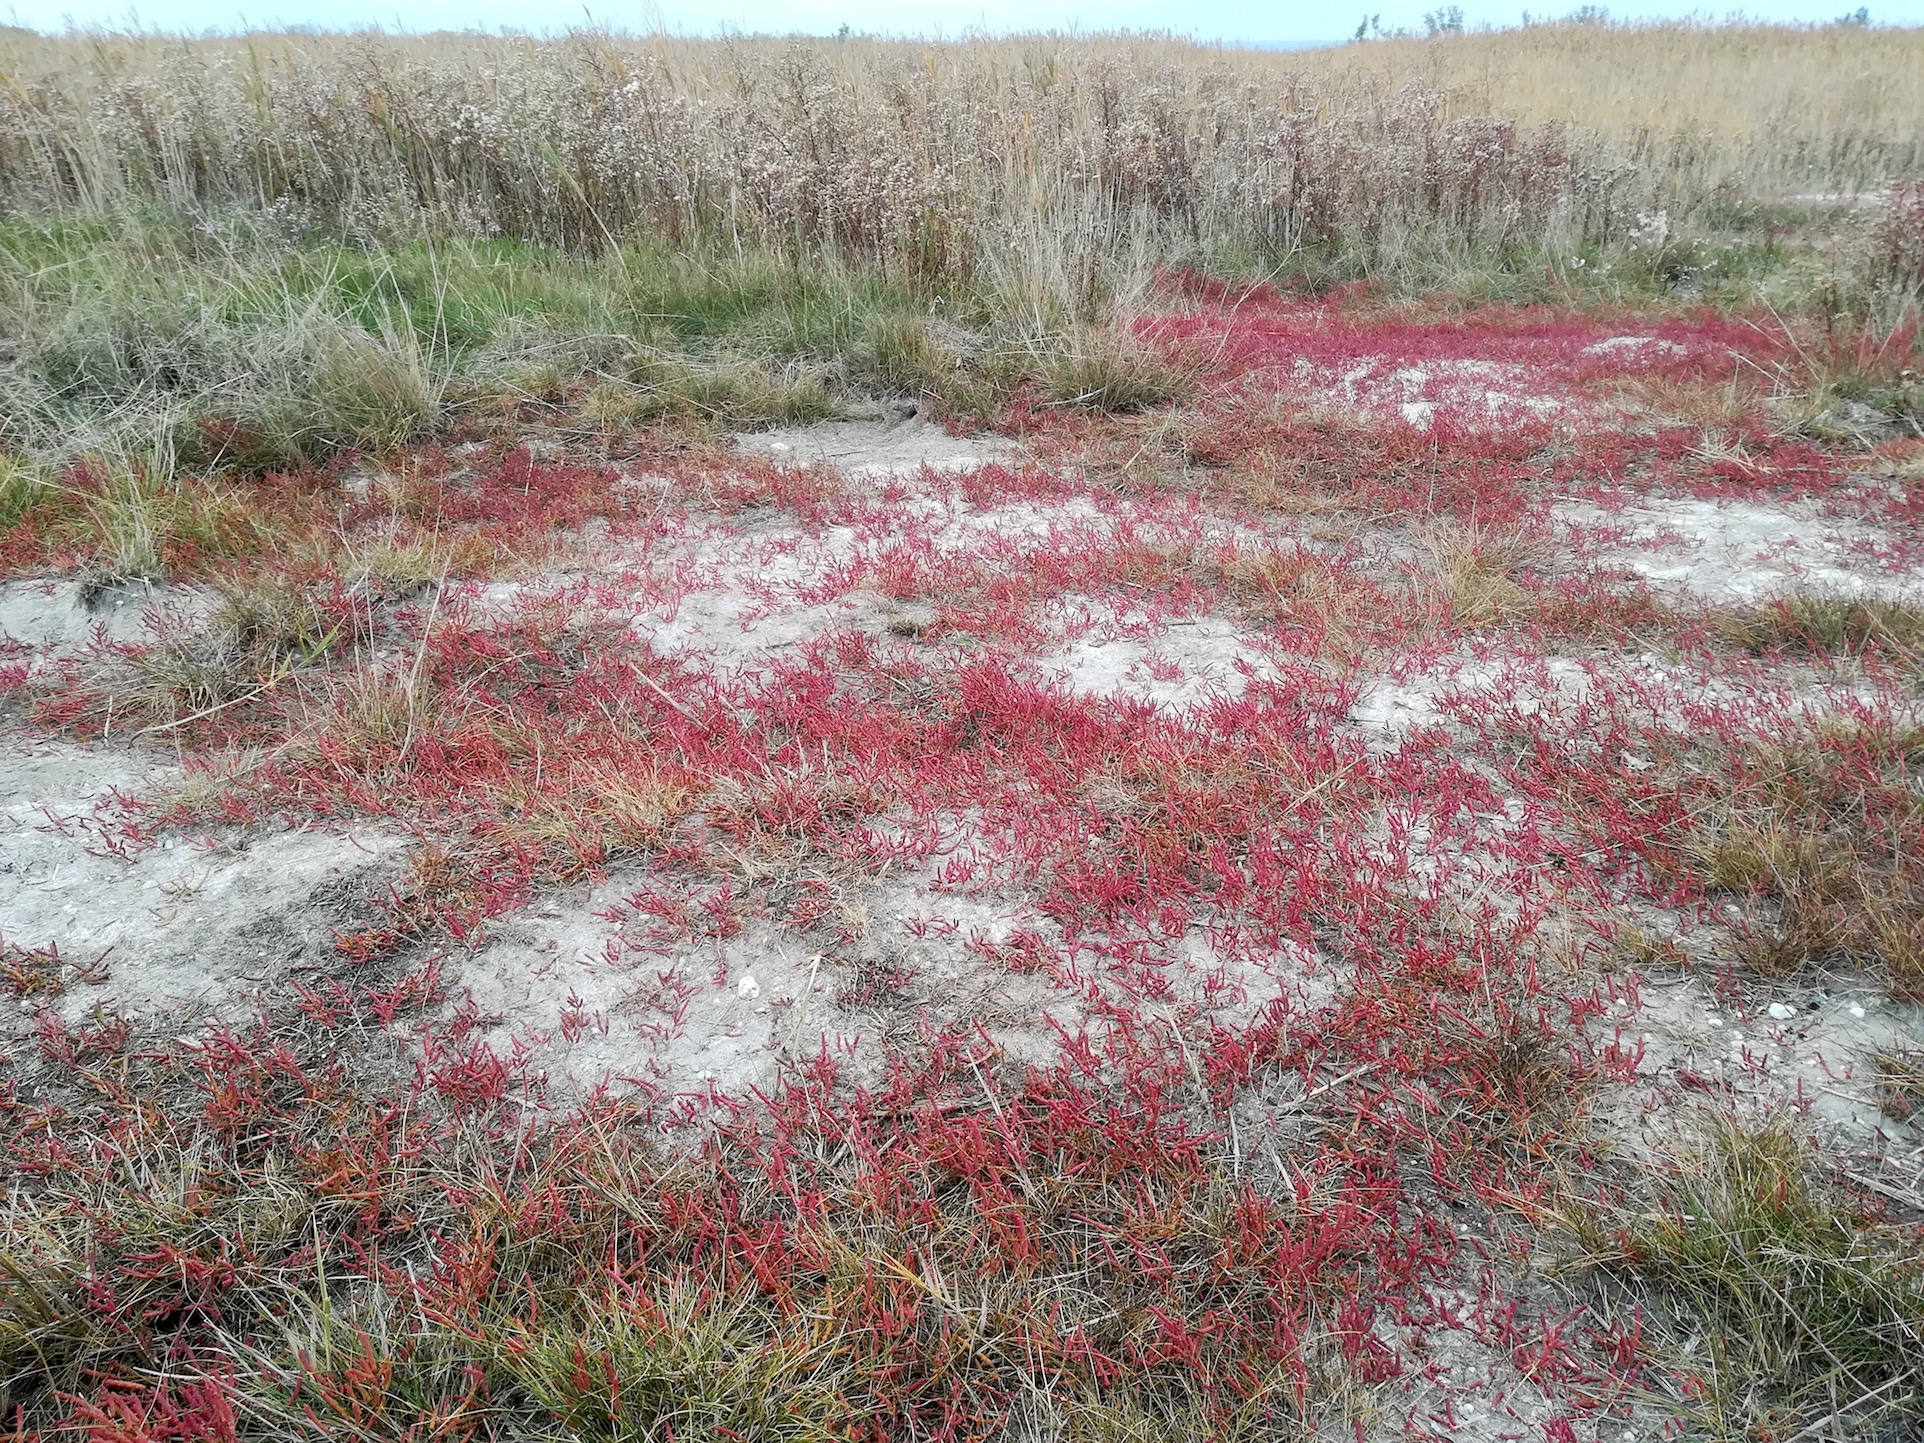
(1695, 20)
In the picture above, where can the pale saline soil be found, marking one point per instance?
(194, 929)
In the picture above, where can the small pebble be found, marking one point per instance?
(1856, 1011)
(748, 989)
(1781, 1012)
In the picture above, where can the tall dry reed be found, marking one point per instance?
(940, 159)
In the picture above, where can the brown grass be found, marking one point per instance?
(1821, 837)
(1469, 578)
(1900, 1082)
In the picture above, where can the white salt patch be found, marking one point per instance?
(733, 632)
(1190, 662)
(1478, 392)
(568, 993)
(1390, 706)
(177, 923)
(877, 448)
(1638, 347)
(58, 614)
(1555, 689)
(1018, 521)
(1737, 550)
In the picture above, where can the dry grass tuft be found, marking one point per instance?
(1900, 1082)
(259, 634)
(906, 353)
(592, 815)
(1301, 590)
(1821, 836)
(1470, 580)
(716, 397)
(1111, 372)
(364, 721)
(21, 487)
(1632, 946)
(138, 518)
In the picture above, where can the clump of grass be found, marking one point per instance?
(1900, 1082)
(179, 679)
(1632, 946)
(22, 487)
(1112, 372)
(1809, 1314)
(1301, 589)
(324, 384)
(259, 634)
(374, 390)
(236, 354)
(1822, 835)
(1291, 586)
(1828, 622)
(238, 351)
(1514, 1087)
(714, 396)
(275, 619)
(366, 720)
(902, 353)
(603, 813)
(140, 521)
(1470, 577)
(399, 568)
(130, 517)
(1901, 460)
(1894, 240)
(1816, 884)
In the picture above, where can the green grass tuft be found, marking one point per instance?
(1104, 371)
(1792, 1310)
(1827, 622)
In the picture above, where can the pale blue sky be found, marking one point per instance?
(1246, 21)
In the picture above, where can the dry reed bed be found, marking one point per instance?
(935, 159)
